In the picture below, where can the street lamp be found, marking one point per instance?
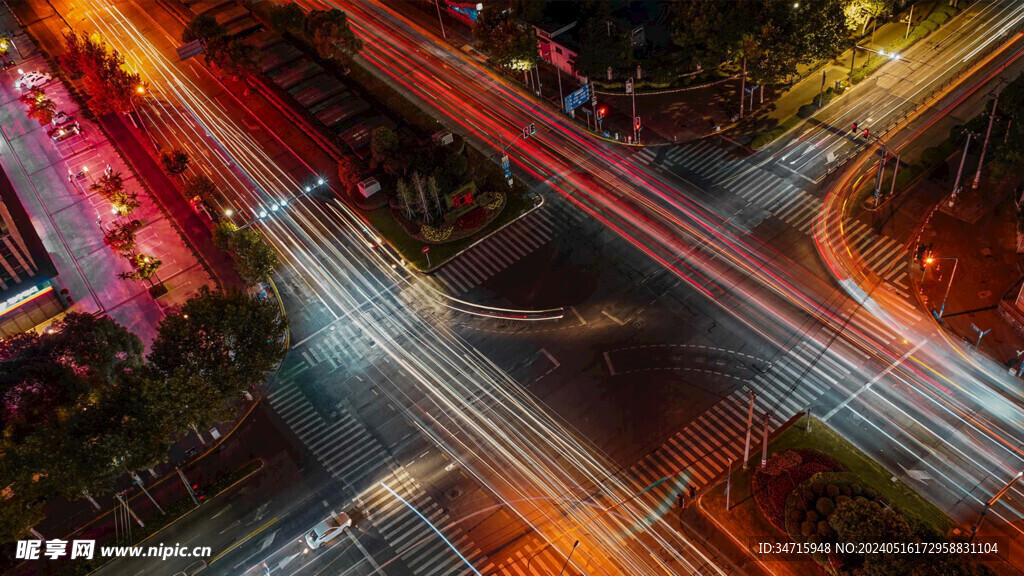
(1000, 494)
(956, 261)
(568, 558)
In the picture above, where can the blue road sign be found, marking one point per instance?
(577, 98)
(507, 167)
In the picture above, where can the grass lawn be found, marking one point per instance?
(411, 248)
(746, 523)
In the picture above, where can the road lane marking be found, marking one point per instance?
(608, 360)
(616, 320)
(244, 540)
(578, 315)
(550, 357)
(875, 379)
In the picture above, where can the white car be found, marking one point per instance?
(61, 118)
(32, 80)
(327, 530)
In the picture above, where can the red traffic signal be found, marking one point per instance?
(602, 111)
(865, 132)
(526, 132)
(636, 122)
(854, 126)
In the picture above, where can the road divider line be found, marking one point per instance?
(875, 379)
(614, 319)
(608, 360)
(250, 536)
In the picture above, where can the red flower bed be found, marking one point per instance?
(773, 484)
(473, 219)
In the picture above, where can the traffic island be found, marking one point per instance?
(816, 494)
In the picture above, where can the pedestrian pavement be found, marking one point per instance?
(503, 249)
(416, 527)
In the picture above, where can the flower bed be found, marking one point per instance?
(782, 474)
(489, 206)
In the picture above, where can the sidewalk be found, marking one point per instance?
(979, 236)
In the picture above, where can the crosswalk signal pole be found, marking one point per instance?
(764, 442)
(750, 429)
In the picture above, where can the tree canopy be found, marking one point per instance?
(510, 41)
(254, 259)
(330, 34)
(111, 88)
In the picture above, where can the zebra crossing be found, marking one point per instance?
(787, 203)
(414, 525)
(704, 450)
(504, 248)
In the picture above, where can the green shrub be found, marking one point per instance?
(825, 530)
(812, 516)
(825, 506)
(832, 490)
(898, 45)
(845, 490)
(945, 9)
(842, 498)
(807, 529)
(807, 110)
(938, 17)
(796, 516)
(870, 493)
(928, 25)
(918, 34)
(858, 75)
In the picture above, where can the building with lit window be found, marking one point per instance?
(28, 288)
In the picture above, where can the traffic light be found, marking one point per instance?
(533, 129)
(865, 132)
(636, 123)
(921, 248)
(526, 132)
(855, 127)
(602, 111)
(198, 492)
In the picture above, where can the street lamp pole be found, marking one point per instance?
(984, 145)
(990, 503)
(568, 558)
(750, 430)
(956, 261)
(960, 171)
(437, 3)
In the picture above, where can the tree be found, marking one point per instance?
(287, 17)
(175, 161)
(329, 32)
(387, 152)
(235, 57)
(349, 173)
(435, 197)
(821, 26)
(69, 415)
(858, 13)
(419, 191)
(40, 108)
(602, 48)
(862, 521)
(204, 28)
(226, 341)
(708, 31)
(111, 88)
(121, 238)
(254, 259)
(406, 201)
(510, 42)
(200, 185)
(111, 187)
(144, 267)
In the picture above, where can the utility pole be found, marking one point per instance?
(881, 170)
(743, 84)
(750, 429)
(574, 546)
(728, 487)
(438, 5)
(142, 487)
(895, 169)
(821, 92)
(188, 486)
(956, 184)
(808, 428)
(853, 57)
(984, 145)
(990, 503)
(764, 442)
(909, 20)
(130, 511)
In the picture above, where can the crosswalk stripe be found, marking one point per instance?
(749, 183)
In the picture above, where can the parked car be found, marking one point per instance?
(327, 530)
(61, 118)
(32, 80)
(62, 134)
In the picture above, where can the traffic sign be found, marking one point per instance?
(426, 249)
(577, 98)
(593, 97)
(507, 167)
(629, 86)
